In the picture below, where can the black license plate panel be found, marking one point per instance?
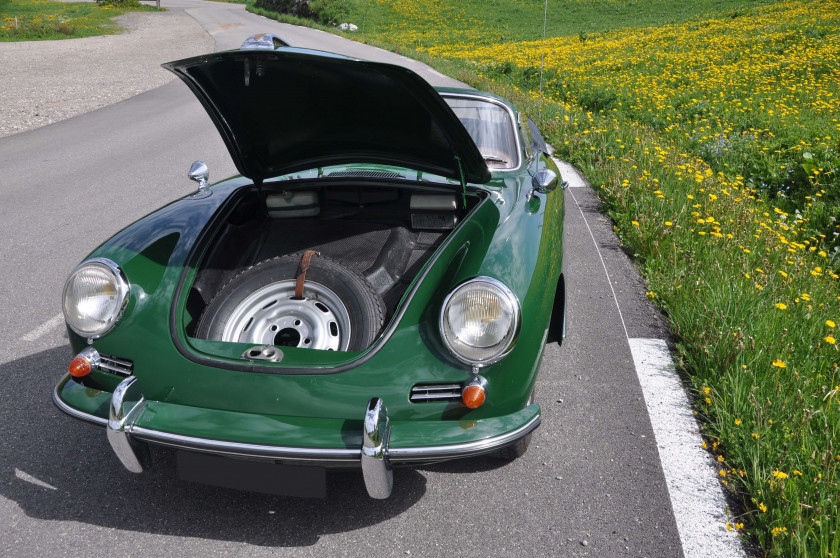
(253, 476)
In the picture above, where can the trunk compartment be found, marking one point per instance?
(383, 232)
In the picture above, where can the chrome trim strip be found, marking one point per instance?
(436, 387)
(435, 392)
(74, 412)
(245, 450)
(448, 396)
(121, 366)
(457, 451)
(332, 455)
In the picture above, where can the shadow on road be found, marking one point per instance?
(56, 468)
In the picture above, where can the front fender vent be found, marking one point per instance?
(423, 393)
(116, 365)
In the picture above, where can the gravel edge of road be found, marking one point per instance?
(49, 81)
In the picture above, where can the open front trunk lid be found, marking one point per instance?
(288, 110)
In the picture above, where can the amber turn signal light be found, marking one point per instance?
(84, 362)
(473, 396)
(79, 367)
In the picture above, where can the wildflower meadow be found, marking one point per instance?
(711, 131)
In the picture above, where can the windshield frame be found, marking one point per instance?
(514, 123)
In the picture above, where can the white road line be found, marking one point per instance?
(696, 496)
(44, 328)
(690, 473)
(571, 175)
(32, 480)
(603, 264)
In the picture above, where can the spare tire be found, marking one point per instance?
(339, 310)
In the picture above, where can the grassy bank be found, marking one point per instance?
(710, 129)
(36, 20)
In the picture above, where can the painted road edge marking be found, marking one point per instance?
(690, 472)
(44, 328)
(697, 499)
(571, 175)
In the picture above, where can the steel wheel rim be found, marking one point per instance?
(272, 316)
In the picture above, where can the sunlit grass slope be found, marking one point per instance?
(27, 20)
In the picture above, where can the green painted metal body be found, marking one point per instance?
(317, 398)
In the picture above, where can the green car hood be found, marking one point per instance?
(286, 110)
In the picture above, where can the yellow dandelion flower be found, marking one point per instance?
(779, 364)
(737, 422)
(781, 306)
(829, 339)
(829, 323)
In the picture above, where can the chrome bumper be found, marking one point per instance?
(375, 456)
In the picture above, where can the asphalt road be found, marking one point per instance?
(590, 485)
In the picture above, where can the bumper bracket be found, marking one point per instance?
(379, 478)
(126, 405)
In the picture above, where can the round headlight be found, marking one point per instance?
(480, 321)
(95, 296)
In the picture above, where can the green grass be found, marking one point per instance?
(710, 130)
(508, 20)
(37, 20)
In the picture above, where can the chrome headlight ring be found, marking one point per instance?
(480, 321)
(95, 297)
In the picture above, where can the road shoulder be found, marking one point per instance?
(49, 81)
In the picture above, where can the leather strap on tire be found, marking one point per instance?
(301, 272)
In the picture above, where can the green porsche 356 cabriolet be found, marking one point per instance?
(374, 290)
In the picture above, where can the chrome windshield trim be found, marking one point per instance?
(74, 412)
(513, 120)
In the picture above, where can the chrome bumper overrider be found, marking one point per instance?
(375, 456)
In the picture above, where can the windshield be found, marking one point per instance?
(490, 127)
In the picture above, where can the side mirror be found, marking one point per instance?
(199, 173)
(544, 182)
